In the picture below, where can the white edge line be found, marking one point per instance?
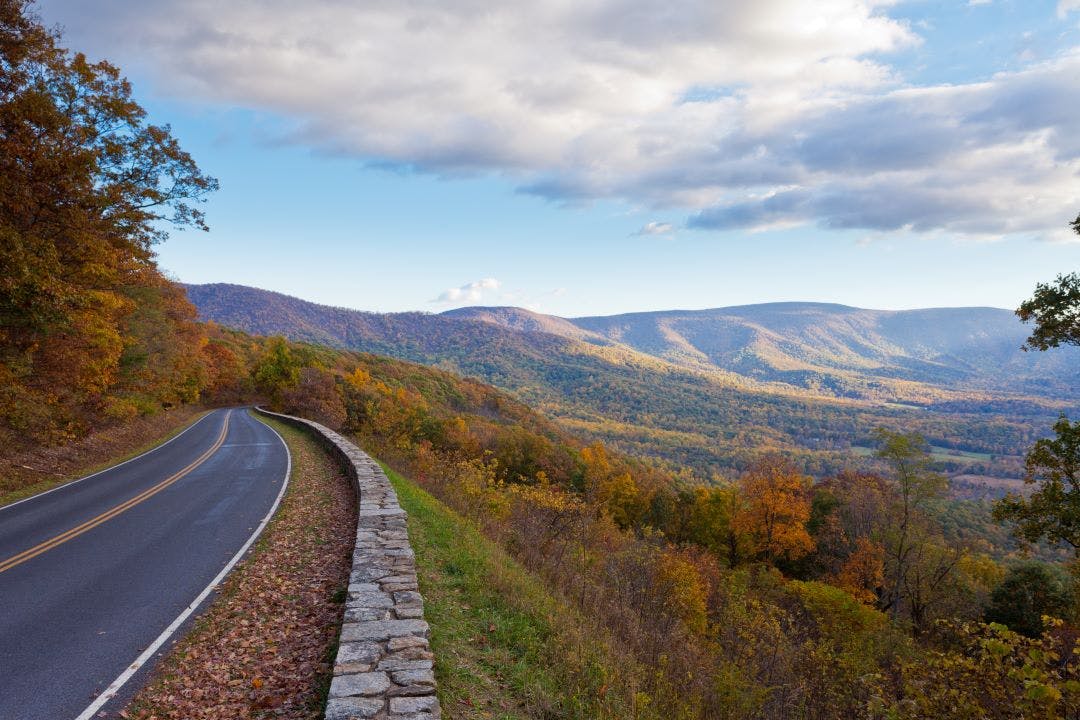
(108, 693)
(69, 483)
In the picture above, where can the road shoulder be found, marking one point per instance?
(265, 646)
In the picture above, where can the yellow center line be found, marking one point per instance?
(113, 512)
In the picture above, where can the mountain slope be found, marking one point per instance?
(709, 389)
(831, 348)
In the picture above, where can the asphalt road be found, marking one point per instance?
(93, 573)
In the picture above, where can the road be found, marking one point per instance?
(98, 571)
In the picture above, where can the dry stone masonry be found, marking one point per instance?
(383, 669)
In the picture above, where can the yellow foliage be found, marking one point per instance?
(358, 378)
(684, 590)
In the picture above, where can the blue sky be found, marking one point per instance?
(629, 156)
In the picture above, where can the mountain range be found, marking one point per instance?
(697, 386)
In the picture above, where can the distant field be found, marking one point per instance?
(941, 454)
(995, 483)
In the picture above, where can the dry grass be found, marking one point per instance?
(506, 647)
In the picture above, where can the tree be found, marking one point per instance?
(277, 370)
(86, 187)
(1030, 590)
(863, 572)
(611, 488)
(316, 396)
(710, 522)
(1055, 308)
(776, 507)
(908, 456)
(1053, 511)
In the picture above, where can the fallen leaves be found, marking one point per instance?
(263, 648)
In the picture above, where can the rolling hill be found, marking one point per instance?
(710, 389)
(833, 349)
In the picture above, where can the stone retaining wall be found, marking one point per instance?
(383, 669)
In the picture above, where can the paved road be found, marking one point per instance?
(93, 573)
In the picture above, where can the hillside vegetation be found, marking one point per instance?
(770, 597)
(705, 390)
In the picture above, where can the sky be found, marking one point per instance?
(588, 157)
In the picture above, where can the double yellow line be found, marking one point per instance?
(113, 512)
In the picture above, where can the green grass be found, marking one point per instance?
(504, 646)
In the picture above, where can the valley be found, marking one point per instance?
(712, 390)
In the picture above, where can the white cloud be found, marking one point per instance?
(984, 160)
(743, 115)
(1066, 6)
(472, 292)
(973, 3)
(656, 228)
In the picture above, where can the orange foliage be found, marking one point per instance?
(777, 506)
(863, 573)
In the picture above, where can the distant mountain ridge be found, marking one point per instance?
(708, 388)
(831, 349)
(803, 343)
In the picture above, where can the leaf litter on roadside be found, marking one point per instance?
(263, 649)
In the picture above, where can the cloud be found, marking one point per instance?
(740, 115)
(656, 228)
(472, 292)
(1066, 6)
(985, 160)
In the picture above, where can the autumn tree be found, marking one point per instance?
(863, 572)
(776, 507)
(611, 488)
(225, 367)
(316, 396)
(87, 187)
(277, 370)
(710, 522)
(933, 586)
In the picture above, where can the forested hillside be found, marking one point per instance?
(833, 349)
(710, 418)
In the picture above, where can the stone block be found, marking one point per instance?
(362, 684)
(353, 708)
(382, 630)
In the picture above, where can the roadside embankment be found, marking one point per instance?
(384, 664)
(31, 468)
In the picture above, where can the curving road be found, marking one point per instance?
(103, 570)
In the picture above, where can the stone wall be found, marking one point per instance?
(383, 668)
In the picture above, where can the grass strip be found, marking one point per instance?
(506, 648)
